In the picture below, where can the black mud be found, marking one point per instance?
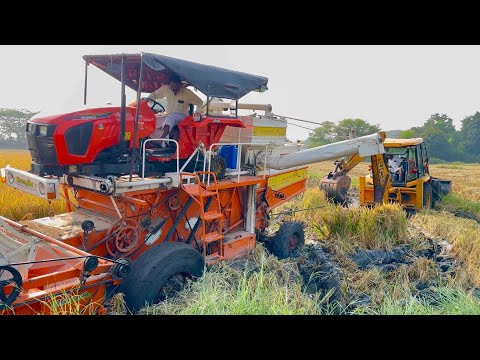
(321, 273)
(466, 215)
(388, 260)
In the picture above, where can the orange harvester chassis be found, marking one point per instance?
(58, 286)
(167, 206)
(122, 224)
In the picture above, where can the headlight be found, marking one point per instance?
(10, 177)
(42, 130)
(41, 188)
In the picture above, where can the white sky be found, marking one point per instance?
(395, 86)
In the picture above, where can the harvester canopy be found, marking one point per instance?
(210, 80)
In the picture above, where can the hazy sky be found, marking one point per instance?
(394, 86)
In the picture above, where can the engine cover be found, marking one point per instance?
(83, 137)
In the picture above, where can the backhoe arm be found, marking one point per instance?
(336, 183)
(381, 178)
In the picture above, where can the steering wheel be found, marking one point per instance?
(155, 103)
(16, 280)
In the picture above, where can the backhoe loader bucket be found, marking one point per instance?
(336, 187)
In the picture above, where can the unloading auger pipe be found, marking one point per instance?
(364, 146)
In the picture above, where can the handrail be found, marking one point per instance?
(143, 154)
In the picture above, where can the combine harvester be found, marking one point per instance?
(141, 220)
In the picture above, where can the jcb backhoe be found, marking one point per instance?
(403, 169)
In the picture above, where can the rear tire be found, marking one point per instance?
(427, 196)
(159, 273)
(288, 240)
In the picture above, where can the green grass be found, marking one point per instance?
(379, 228)
(441, 301)
(274, 288)
(452, 203)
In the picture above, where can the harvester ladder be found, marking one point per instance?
(198, 191)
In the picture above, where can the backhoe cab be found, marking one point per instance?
(412, 186)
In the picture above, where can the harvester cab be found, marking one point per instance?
(169, 213)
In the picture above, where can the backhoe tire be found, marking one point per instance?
(288, 240)
(427, 196)
(436, 191)
(159, 273)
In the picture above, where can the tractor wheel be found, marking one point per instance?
(159, 273)
(288, 240)
(427, 195)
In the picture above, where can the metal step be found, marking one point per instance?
(194, 190)
(211, 237)
(213, 259)
(212, 215)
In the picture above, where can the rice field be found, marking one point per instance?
(17, 205)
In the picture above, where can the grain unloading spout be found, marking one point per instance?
(337, 183)
(363, 146)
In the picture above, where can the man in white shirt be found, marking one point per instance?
(394, 167)
(178, 103)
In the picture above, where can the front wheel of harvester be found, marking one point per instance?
(427, 195)
(159, 273)
(288, 240)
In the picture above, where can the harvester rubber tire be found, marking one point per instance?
(154, 268)
(288, 240)
(427, 196)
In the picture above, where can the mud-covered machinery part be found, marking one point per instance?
(15, 280)
(288, 240)
(218, 166)
(90, 263)
(88, 225)
(336, 187)
(121, 269)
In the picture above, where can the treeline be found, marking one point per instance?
(12, 128)
(444, 142)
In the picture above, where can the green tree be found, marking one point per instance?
(443, 122)
(360, 126)
(12, 126)
(470, 134)
(407, 134)
(441, 138)
(324, 134)
(328, 132)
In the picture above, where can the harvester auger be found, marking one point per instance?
(169, 211)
